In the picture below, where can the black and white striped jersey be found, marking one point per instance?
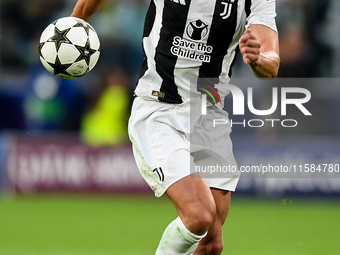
(185, 40)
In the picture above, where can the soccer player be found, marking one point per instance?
(183, 41)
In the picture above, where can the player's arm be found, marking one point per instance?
(84, 9)
(259, 46)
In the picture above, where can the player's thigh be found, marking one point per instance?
(194, 202)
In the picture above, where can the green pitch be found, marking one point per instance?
(132, 225)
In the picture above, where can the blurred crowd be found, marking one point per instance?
(31, 99)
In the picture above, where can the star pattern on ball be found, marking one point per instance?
(85, 52)
(59, 37)
(60, 69)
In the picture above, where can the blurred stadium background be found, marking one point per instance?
(68, 181)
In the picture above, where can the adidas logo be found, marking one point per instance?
(157, 94)
(182, 2)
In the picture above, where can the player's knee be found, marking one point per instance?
(205, 218)
(201, 219)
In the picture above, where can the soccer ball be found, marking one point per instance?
(69, 47)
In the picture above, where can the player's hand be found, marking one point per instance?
(249, 47)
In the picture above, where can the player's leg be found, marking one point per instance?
(196, 209)
(194, 203)
(162, 153)
(212, 244)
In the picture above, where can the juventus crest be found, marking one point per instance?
(228, 5)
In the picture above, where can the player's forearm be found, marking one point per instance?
(84, 9)
(267, 65)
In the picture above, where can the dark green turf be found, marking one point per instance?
(131, 225)
(300, 227)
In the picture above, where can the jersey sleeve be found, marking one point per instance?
(262, 12)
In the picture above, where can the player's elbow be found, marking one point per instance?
(269, 68)
(271, 74)
(275, 68)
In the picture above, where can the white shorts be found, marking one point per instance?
(166, 151)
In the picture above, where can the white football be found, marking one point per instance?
(69, 47)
